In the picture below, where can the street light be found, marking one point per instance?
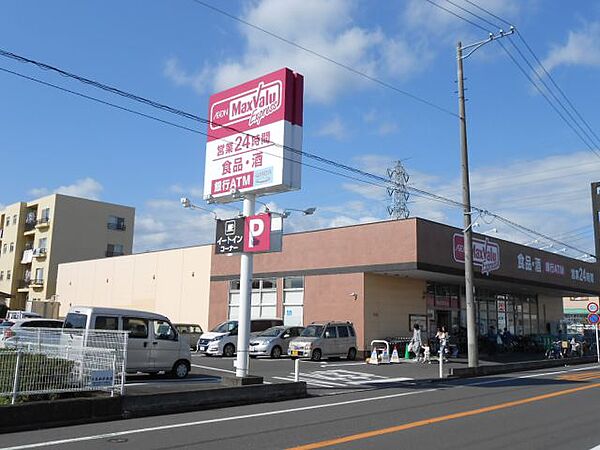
(187, 204)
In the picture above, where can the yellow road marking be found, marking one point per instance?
(421, 423)
(581, 376)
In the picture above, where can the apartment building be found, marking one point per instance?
(37, 236)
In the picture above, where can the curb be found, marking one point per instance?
(497, 369)
(66, 412)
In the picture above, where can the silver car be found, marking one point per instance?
(273, 342)
(325, 339)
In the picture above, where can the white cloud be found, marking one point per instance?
(424, 16)
(325, 27)
(335, 128)
(198, 80)
(582, 48)
(85, 188)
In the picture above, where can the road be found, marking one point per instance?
(535, 410)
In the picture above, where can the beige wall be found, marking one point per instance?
(175, 283)
(389, 302)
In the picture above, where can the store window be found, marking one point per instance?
(293, 301)
(263, 300)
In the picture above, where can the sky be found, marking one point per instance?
(525, 162)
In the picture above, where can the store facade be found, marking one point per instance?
(386, 276)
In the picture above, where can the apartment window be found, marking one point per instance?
(42, 243)
(39, 274)
(116, 223)
(14, 219)
(114, 249)
(7, 220)
(1, 275)
(5, 248)
(8, 274)
(45, 215)
(12, 247)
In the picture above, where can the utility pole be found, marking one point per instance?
(472, 349)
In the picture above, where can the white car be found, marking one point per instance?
(222, 340)
(9, 329)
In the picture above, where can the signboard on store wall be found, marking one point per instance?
(253, 130)
(486, 254)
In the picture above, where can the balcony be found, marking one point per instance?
(39, 253)
(23, 285)
(30, 227)
(42, 223)
(111, 253)
(36, 284)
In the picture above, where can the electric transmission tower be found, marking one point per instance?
(398, 192)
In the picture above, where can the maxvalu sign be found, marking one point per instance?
(254, 137)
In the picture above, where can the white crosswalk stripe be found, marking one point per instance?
(342, 378)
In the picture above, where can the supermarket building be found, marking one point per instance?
(382, 276)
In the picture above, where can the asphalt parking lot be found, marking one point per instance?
(326, 377)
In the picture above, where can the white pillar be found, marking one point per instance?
(246, 268)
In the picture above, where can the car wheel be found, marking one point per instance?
(181, 369)
(276, 352)
(351, 354)
(228, 350)
(316, 355)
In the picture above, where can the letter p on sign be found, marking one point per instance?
(257, 233)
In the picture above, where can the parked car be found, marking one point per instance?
(325, 339)
(222, 340)
(154, 345)
(9, 329)
(192, 331)
(17, 314)
(273, 342)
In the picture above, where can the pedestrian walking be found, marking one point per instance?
(442, 337)
(416, 342)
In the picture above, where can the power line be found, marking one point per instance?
(327, 58)
(382, 182)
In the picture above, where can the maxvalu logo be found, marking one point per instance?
(253, 105)
(486, 254)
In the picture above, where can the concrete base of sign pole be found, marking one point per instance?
(246, 269)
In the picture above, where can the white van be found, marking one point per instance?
(153, 345)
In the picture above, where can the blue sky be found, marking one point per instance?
(526, 164)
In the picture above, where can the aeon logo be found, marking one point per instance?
(254, 105)
(486, 254)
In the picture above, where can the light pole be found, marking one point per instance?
(472, 350)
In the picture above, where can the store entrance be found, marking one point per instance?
(442, 319)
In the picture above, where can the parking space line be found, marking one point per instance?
(386, 380)
(308, 382)
(213, 368)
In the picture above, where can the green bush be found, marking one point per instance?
(37, 372)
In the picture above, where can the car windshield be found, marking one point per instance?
(312, 331)
(225, 327)
(76, 321)
(6, 324)
(272, 332)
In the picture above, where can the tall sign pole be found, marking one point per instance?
(246, 269)
(472, 350)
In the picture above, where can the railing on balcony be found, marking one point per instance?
(43, 221)
(36, 283)
(39, 252)
(30, 225)
(112, 253)
(116, 226)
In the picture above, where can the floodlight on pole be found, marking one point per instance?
(187, 204)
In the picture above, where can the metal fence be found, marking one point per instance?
(51, 361)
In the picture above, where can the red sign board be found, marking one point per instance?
(592, 307)
(486, 254)
(257, 232)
